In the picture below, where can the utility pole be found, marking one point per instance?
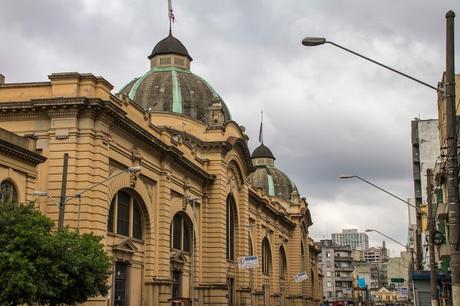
(451, 163)
(431, 227)
(63, 192)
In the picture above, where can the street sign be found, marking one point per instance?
(248, 262)
(300, 277)
(397, 280)
(403, 291)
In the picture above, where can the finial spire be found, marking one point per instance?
(261, 132)
(171, 16)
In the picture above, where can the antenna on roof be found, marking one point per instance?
(171, 16)
(261, 132)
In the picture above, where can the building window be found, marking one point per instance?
(176, 284)
(8, 192)
(125, 216)
(266, 257)
(302, 256)
(181, 232)
(329, 284)
(283, 263)
(230, 230)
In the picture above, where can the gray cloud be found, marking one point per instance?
(326, 112)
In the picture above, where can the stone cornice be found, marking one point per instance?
(119, 118)
(21, 153)
(224, 146)
(266, 204)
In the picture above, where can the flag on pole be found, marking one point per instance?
(170, 13)
(261, 135)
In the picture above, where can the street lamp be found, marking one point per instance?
(133, 170)
(451, 144)
(404, 246)
(394, 240)
(192, 276)
(316, 41)
(345, 176)
(418, 243)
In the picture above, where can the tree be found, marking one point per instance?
(39, 265)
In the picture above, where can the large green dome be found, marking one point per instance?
(266, 176)
(170, 86)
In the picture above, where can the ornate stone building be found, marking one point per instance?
(176, 228)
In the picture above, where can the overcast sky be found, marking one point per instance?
(326, 112)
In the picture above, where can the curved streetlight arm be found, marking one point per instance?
(316, 41)
(78, 194)
(394, 240)
(381, 189)
(384, 66)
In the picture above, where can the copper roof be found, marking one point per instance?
(170, 45)
(262, 151)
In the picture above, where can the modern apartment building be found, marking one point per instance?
(351, 237)
(337, 266)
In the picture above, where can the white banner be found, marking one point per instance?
(300, 277)
(248, 262)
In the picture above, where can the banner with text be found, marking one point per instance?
(300, 277)
(248, 262)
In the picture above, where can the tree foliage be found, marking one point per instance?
(39, 265)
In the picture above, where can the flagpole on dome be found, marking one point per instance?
(261, 132)
(171, 17)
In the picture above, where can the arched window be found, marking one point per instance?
(312, 282)
(266, 257)
(230, 227)
(302, 255)
(125, 216)
(181, 232)
(283, 263)
(8, 192)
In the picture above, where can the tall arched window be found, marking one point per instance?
(283, 263)
(181, 232)
(266, 257)
(125, 215)
(231, 210)
(302, 255)
(8, 192)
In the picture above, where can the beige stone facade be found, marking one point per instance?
(177, 227)
(18, 167)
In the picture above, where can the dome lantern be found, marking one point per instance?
(263, 156)
(170, 52)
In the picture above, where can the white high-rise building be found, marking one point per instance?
(351, 237)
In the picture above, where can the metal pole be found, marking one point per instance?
(193, 252)
(63, 192)
(431, 227)
(79, 207)
(451, 163)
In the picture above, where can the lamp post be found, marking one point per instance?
(411, 250)
(192, 274)
(392, 239)
(418, 243)
(78, 195)
(451, 141)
